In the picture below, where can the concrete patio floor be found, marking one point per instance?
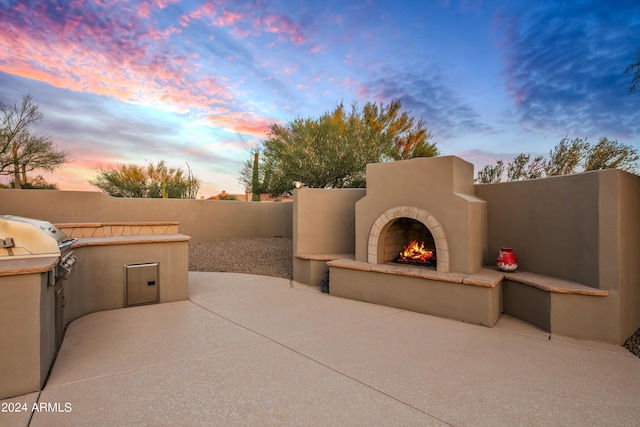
(255, 350)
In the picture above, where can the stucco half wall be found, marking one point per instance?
(202, 220)
(583, 228)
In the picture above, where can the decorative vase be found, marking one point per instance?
(506, 260)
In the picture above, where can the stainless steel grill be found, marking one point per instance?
(22, 237)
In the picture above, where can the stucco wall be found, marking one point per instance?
(203, 220)
(23, 342)
(97, 282)
(324, 220)
(552, 224)
(630, 252)
(584, 228)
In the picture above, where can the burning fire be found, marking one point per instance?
(416, 252)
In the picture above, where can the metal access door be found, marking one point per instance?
(141, 284)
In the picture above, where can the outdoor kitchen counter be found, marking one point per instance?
(15, 267)
(129, 240)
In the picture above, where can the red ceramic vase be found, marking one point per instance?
(507, 260)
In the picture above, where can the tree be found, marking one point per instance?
(16, 118)
(28, 153)
(566, 157)
(491, 174)
(333, 150)
(409, 138)
(39, 183)
(153, 181)
(634, 67)
(521, 168)
(21, 151)
(611, 155)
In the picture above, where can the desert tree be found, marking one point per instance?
(491, 174)
(152, 181)
(29, 153)
(409, 138)
(21, 150)
(634, 68)
(607, 154)
(566, 157)
(522, 168)
(16, 118)
(332, 151)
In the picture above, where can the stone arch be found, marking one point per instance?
(433, 225)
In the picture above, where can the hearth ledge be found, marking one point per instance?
(484, 277)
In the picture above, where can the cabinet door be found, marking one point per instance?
(142, 285)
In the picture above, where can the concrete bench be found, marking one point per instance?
(555, 305)
(311, 269)
(553, 284)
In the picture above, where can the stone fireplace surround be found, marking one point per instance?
(378, 249)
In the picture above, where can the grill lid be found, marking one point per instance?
(22, 237)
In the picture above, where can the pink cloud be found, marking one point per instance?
(73, 54)
(349, 81)
(207, 10)
(363, 91)
(245, 123)
(164, 3)
(126, 56)
(144, 9)
(229, 18)
(290, 69)
(283, 25)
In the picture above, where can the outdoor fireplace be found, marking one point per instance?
(408, 241)
(444, 216)
(430, 204)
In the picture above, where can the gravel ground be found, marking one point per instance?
(633, 343)
(272, 257)
(264, 256)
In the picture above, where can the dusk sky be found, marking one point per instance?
(201, 81)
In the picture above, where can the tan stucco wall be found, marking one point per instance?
(323, 223)
(583, 228)
(203, 220)
(324, 220)
(26, 347)
(630, 253)
(552, 224)
(472, 304)
(97, 281)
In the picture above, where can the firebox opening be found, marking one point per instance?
(408, 241)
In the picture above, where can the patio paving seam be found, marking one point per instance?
(299, 333)
(363, 383)
(276, 341)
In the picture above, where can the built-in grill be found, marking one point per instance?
(22, 237)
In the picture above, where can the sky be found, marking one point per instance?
(198, 83)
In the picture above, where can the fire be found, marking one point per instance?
(416, 252)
